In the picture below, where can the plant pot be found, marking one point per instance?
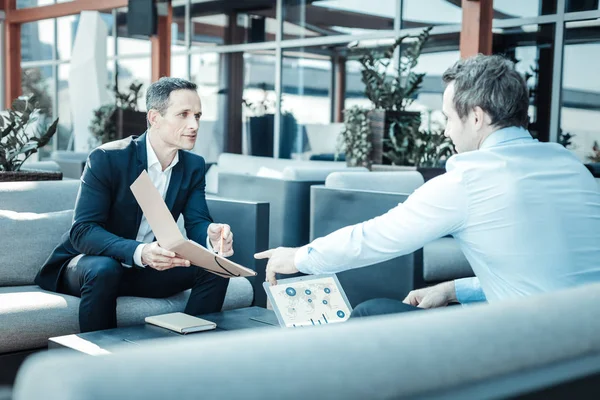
(21, 176)
(380, 122)
(128, 122)
(260, 135)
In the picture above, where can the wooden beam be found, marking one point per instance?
(32, 14)
(161, 46)
(12, 37)
(476, 33)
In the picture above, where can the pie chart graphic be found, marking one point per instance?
(290, 291)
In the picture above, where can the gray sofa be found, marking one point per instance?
(546, 346)
(350, 198)
(34, 216)
(284, 184)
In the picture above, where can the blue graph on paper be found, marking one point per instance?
(308, 303)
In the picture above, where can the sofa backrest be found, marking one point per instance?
(251, 165)
(33, 217)
(500, 350)
(404, 182)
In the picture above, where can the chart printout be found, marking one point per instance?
(311, 302)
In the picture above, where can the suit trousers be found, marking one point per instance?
(374, 307)
(98, 281)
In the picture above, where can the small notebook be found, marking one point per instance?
(181, 323)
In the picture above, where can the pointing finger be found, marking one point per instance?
(264, 254)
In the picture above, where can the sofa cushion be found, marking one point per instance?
(443, 260)
(30, 315)
(27, 241)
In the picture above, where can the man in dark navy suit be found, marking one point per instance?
(110, 250)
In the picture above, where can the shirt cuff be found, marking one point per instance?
(468, 290)
(137, 255)
(302, 260)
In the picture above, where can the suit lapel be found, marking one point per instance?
(142, 164)
(174, 184)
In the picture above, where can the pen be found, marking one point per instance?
(222, 240)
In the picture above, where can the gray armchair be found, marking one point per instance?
(348, 199)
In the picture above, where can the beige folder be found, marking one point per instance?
(169, 237)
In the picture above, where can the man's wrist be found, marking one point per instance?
(450, 290)
(137, 255)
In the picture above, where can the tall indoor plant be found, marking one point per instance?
(391, 92)
(121, 119)
(23, 130)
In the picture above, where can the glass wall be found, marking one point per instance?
(580, 110)
(47, 47)
(308, 19)
(249, 81)
(531, 47)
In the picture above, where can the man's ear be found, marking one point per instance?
(480, 117)
(153, 116)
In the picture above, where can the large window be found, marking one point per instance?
(532, 49)
(306, 19)
(581, 89)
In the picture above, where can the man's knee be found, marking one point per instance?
(103, 271)
(381, 307)
(365, 309)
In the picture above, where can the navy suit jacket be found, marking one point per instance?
(107, 216)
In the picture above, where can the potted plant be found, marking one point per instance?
(119, 120)
(393, 129)
(260, 124)
(355, 140)
(23, 131)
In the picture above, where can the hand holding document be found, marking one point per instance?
(170, 238)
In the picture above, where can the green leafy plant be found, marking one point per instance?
(23, 130)
(355, 139)
(262, 106)
(103, 126)
(595, 157)
(394, 93)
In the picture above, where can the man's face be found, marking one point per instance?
(178, 127)
(463, 134)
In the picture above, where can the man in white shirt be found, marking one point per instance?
(110, 250)
(525, 214)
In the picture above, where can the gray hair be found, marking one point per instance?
(157, 95)
(492, 83)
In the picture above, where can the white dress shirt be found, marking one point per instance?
(160, 179)
(525, 214)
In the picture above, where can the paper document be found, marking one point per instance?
(169, 237)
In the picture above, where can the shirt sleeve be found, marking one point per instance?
(434, 210)
(468, 290)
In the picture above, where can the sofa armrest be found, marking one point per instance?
(249, 221)
(332, 209)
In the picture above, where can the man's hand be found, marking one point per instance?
(221, 239)
(160, 259)
(281, 261)
(432, 297)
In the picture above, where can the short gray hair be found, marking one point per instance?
(492, 83)
(157, 95)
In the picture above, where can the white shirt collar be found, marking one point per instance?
(153, 159)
